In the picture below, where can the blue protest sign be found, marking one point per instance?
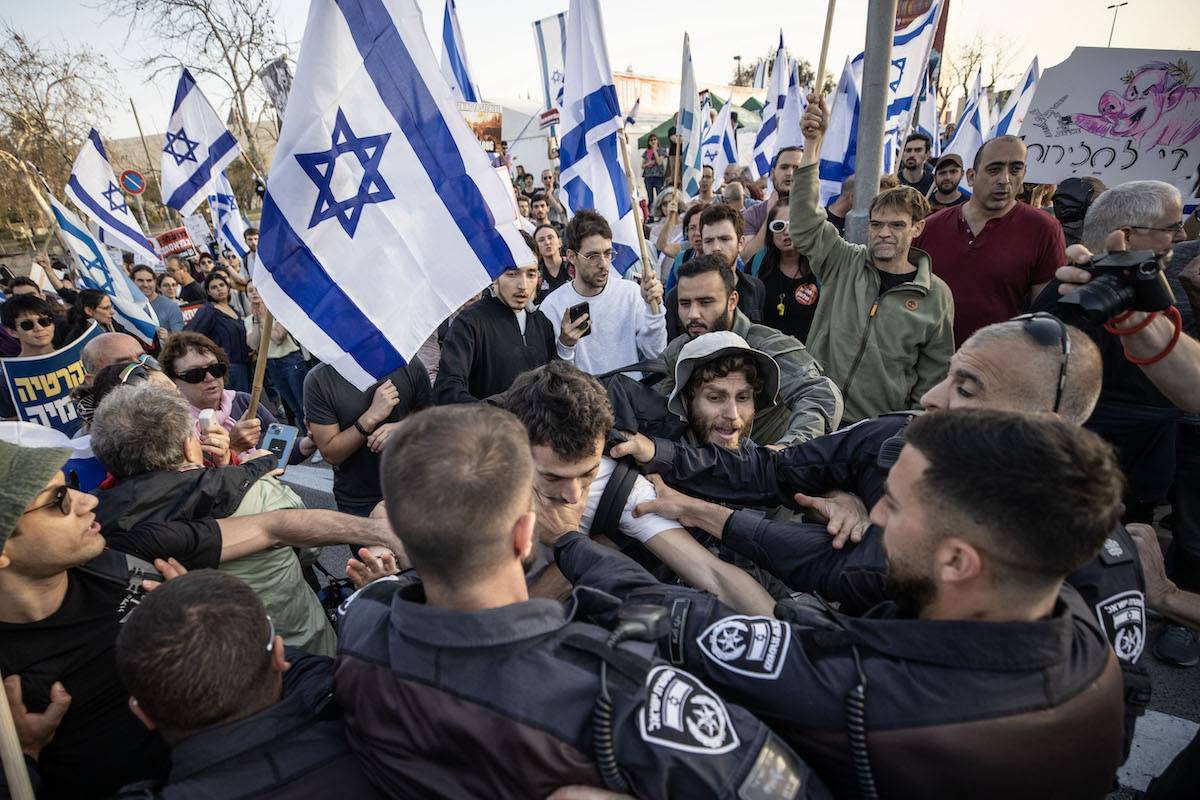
(41, 385)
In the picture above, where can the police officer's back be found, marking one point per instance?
(460, 686)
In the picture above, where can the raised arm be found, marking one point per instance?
(242, 536)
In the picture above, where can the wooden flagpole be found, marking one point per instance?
(260, 365)
(10, 751)
(647, 267)
(819, 86)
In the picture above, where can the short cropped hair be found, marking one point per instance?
(455, 480)
(141, 268)
(924, 137)
(194, 653)
(789, 149)
(1008, 137)
(250, 230)
(977, 485)
(902, 198)
(561, 407)
(538, 197)
(19, 304)
(179, 344)
(1132, 204)
(141, 428)
(710, 263)
(716, 213)
(584, 224)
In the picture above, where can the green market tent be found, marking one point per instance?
(748, 117)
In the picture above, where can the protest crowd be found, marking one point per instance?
(768, 514)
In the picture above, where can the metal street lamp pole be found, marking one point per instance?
(738, 73)
(1115, 7)
(877, 66)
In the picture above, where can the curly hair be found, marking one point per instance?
(180, 344)
(723, 367)
(584, 224)
(563, 408)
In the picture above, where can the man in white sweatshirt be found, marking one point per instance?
(622, 327)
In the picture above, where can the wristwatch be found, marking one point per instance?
(358, 427)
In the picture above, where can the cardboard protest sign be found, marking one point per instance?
(41, 385)
(190, 311)
(1118, 114)
(173, 242)
(197, 230)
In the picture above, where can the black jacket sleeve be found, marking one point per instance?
(454, 369)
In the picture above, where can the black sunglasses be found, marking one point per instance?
(61, 496)
(42, 322)
(1048, 330)
(196, 374)
(778, 225)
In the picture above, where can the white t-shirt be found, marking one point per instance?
(624, 330)
(643, 528)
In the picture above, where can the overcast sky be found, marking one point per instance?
(646, 36)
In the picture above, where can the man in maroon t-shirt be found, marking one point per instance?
(994, 252)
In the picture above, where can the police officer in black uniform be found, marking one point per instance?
(1032, 364)
(986, 677)
(459, 685)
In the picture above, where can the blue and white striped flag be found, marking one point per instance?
(760, 75)
(719, 149)
(777, 90)
(971, 131)
(96, 271)
(927, 117)
(454, 58)
(93, 188)
(689, 124)
(227, 220)
(382, 213)
(589, 154)
(1013, 113)
(197, 147)
(839, 149)
(789, 122)
(550, 38)
(631, 117)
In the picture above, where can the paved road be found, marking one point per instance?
(1171, 722)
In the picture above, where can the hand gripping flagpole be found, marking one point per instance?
(819, 86)
(647, 267)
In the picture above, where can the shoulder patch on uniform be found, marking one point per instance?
(682, 713)
(775, 774)
(1113, 552)
(750, 646)
(1123, 618)
(679, 615)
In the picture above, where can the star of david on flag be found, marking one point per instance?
(93, 188)
(321, 167)
(198, 147)
(174, 141)
(116, 200)
(374, 139)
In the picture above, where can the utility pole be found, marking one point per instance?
(150, 165)
(738, 70)
(1115, 7)
(877, 66)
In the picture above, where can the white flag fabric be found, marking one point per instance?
(789, 122)
(760, 75)
(382, 213)
(689, 124)
(839, 149)
(198, 146)
(1013, 113)
(719, 148)
(971, 131)
(777, 89)
(96, 271)
(592, 175)
(93, 189)
(227, 220)
(550, 39)
(927, 120)
(454, 58)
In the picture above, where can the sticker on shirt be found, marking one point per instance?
(1123, 617)
(750, 646)
(806, 294)
(682, 713)
(911, 305)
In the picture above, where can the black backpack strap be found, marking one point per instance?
(648, 365)
(607, 521)
(122, 569)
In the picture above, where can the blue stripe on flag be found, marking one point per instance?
(186, 82)
(616, 173)
(407, 98)
(96, 210)
(541, 42)
(457, 66)
(599, 108)
(95, 137)
(303, 278)
(579, 194)
(203, 173)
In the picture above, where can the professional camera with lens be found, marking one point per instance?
(1132, 281)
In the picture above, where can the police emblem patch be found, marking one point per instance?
(682, 713)
(1123, 617)
(750, 646)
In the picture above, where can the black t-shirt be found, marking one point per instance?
(790, 303)
(8, 409)
(100, 745)
(924, 184)
(935, 204)
(547, 283)
(330, 399)
(192, 293)
(194, 543)
(890, 280)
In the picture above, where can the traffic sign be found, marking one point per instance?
(133, 182)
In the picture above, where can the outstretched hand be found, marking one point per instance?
(844, 513)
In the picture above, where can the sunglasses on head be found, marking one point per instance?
(1049, 331)
(196, 374)
(41, 322)
(778, 226)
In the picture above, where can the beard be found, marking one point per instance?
(911, 593)
(699, 327)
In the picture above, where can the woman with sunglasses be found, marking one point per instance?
(792, 289)
(91, 305)
(30, 320)
(220, 322)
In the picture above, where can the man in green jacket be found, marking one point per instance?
(884, 326)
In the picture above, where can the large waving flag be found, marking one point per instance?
(1013, 113)
(927, 120)
(454, 57)
(839, 149)
(550, 37)
(972, 128)
(719, 150)
(760, 75)
(227, 220)
(777, 89)
(689, 125)
(589, 152)
(96, 271)
(198, 146)
(789, 121)
(382, 213)
(93, 188)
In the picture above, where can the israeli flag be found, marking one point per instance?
(839, 149)
(382, 213)
(971, 131)
(589, 152)
(454, 58)
(719, 148)
(227, 219)
(789, 121)
(96, 271)
(927, 120)
(777, 88)
(198, 146)
(550, 38)
(93, 189)
(760, 75)
(1013, 113)
(689, 125)
(631, 117)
